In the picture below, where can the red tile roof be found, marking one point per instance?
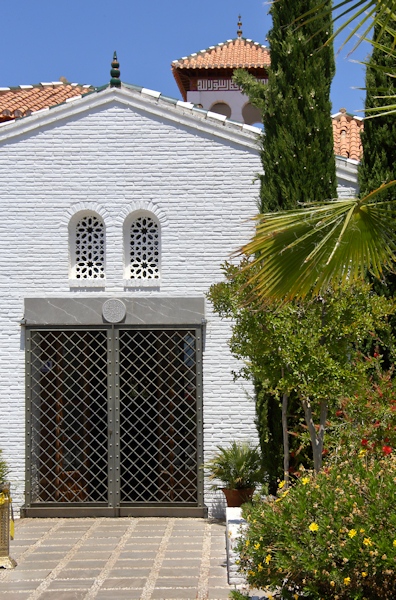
(346, 133)
(232, 54)
(220, 61)
(21, 101)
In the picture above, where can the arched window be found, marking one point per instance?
(143, 247)
(87, 237)
(251, 114)
(221, 108)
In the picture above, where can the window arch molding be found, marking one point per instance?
(142, 249)
(87, 249)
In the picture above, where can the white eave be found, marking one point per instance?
(347, 168)
(183, 113)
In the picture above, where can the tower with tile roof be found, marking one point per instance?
(205, 78)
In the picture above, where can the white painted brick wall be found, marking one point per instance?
(200, 187)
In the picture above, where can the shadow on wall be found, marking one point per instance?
(218, 506)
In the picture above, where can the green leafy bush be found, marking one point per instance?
(329, 536)
(3, 469)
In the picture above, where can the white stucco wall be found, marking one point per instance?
(116, 158)
(113, 160)
(234, 99)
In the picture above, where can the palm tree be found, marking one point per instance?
(303, 251)
(358, 15)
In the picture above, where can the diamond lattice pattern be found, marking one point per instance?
(69, 416)
(158, 416)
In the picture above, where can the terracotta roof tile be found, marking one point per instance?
(23, 100)
(346, 133)
(239, 52)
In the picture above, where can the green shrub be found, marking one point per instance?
(329, 536)
(365, 423)
(3, 469)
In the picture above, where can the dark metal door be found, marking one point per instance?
(114, 422)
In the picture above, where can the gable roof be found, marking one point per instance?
(154, 103)
(22, 100)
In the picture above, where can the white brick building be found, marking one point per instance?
(121, 195)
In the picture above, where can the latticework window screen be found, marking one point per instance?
(73, 435)
(144, 248)
(158, 416)
(90, 248)
(69, 416)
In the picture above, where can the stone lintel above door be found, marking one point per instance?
(129, 311)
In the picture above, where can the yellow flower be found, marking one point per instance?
(247, 543)
(352, 533)
(305, 480)
(268, 559)
(367, 542)
(364, 574)
(332, 583)
(362, 452)
(281, 484)
(394, 543)
(313, 527)
(260, 567)
(361, 530)
(256, 546)
(347, 580)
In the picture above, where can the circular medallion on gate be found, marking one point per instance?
(113, 310)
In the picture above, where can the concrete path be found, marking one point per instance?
(116, 559)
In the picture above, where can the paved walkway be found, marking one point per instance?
(113, 559)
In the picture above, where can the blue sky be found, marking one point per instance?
(42, 40)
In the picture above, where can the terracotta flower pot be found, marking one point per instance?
(238, 497)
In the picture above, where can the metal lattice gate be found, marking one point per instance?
(114, 422)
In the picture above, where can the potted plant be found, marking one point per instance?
(239, 468)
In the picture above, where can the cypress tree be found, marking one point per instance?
(379, 149)
(297, 151)
(297, 145)
(379, 136)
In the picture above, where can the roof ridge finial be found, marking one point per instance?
(239, 31)
(115, 80)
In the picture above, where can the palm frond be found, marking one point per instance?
(298, 252)
(371, 13)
